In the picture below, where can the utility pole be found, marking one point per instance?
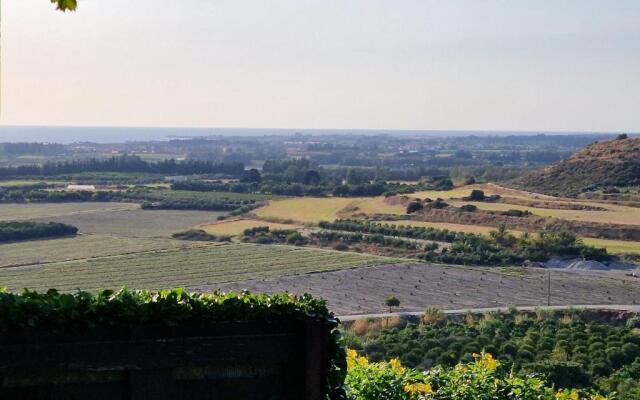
(549, 289)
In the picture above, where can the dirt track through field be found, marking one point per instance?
(363, 290)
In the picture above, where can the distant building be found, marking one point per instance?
(177, 178)
(81, 188)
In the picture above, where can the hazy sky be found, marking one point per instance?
(404, 64)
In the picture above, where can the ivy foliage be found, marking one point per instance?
(64, 5)
(58, 312)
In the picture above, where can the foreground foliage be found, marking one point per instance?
(73, 312)
(568, 350)
(484, 378)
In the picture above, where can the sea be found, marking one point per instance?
(76, 134)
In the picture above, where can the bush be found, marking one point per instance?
(194, 234)
(482, 379)
(414, 206)
(469, 208)
(25, 230)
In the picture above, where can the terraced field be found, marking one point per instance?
(210, 265)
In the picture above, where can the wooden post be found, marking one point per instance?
(315, 353)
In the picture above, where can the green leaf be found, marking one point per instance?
(64, 5)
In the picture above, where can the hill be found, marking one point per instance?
(602, 166)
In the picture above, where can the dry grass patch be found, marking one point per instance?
(380, 205)
(304, 209)
(237, 227)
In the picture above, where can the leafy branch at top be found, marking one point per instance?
(64, 5)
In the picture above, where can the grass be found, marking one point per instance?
(236, 227)
(380, 205)
(80, 247)
(305, 209)
(19, 182)
(615, 246)
(209, 265)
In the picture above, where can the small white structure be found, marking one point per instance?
(177, 178)
(81, 188)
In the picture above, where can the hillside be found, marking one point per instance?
(606, 165)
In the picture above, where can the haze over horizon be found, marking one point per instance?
(427, 65)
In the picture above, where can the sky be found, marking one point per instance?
(540, 65)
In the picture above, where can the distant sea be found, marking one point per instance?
(59, 134)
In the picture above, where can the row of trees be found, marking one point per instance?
(124, 163)
(25, 230)
(413, 232)
(500, 247)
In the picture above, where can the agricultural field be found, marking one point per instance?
(81, 247)
(22, 182)
(304, 209)
(192, 267)
(169, 194)
(417, 286)
(12, 212)
(236, 227)
(138, 223)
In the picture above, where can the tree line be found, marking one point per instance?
(25, 230)
(124, 163)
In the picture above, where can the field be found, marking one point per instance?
(138, 223)
(80, 247)
(10, 212)
(194, 267)
(193, 195)
(615, 214)
(304, 209)
(363, 290)
(236, 227)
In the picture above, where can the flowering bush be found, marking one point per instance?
(482, 379)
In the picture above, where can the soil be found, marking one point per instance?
(363, 290)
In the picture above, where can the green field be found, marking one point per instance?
(216, 263)
(12, 212)
(193, 195)
(81, 247)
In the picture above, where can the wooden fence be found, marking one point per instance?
(229, 361)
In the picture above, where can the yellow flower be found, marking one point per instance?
(488, 361)
(352, 355)
(396, 366)
(354, 360)
(417, 388)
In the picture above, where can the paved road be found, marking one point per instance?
(615, 307)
